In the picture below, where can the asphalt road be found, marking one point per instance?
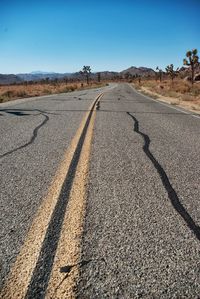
(141, 231)
(141, 236)
(34, 135)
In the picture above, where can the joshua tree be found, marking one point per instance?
(66, 79)
(170, 70)
(86, 71)
(99, 77)
(127, 75)
(160, 73)
(47, 80)
(191, 61)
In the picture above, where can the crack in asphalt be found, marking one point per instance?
(21, 111)
(175, 201)
(67, 269)
(32, 139)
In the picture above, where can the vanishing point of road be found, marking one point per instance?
(100, 197)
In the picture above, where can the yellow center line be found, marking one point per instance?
(68, 250)
(62, 284)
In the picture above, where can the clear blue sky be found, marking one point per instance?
(62, 36)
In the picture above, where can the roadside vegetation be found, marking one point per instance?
(179, 93)
(179, 87)
(86, 72)
(45, 87)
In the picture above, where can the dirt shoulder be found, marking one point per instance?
(180, 94)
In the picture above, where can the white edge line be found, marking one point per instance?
(165, 104)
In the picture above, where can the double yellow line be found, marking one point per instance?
(48, 263)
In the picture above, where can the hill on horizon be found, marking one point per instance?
(39, 75)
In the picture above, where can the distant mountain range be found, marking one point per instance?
(9, 79)
(39, 75)
(35, 76)
(108, 75)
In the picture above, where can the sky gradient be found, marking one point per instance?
(62, 36)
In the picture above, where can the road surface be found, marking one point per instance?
(100, 197)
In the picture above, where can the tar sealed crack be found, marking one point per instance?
(67, 269)
(175, 201)
(34, 134)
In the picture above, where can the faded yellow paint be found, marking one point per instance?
(20, 275)
(63, 285)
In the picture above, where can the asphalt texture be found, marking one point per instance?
(141, 234)
(142, 228)
(35, 133)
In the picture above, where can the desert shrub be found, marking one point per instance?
(150, 84)
(8, 94)
(182, 87)
(47, 91)
(64, 90)
(21, 94)
(71, 87)
(53, 83)
(195, 90)
(171, 93)
(187, 97)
